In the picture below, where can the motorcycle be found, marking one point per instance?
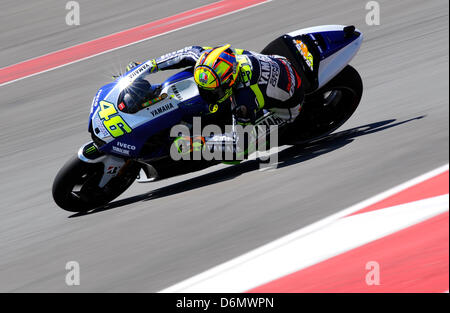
(126, 147)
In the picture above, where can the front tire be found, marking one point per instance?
(75, 187)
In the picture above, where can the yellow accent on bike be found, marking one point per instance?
(115, 125)
(106, 110)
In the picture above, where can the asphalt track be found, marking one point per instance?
(159, 234)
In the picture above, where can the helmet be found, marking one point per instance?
(215, 73)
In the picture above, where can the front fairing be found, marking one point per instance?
(125, 134)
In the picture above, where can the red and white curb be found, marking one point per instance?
(405, 231)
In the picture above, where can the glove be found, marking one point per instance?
(129, 67)
(242, 115)
(132, 65)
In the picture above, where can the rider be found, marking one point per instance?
(245, 80)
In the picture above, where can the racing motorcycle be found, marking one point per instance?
(126, 147)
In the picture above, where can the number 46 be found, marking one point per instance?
(115, 124)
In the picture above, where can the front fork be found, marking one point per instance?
(112, 165)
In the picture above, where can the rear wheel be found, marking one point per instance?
(328, 108)
(76, 189)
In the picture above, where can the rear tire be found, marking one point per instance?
(75, 187)
(328, 108)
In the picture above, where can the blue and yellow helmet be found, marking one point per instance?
(215, 73)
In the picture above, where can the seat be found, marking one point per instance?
(285, 46)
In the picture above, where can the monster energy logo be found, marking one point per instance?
(91, 149)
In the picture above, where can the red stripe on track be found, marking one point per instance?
(433, 187)
(415, 259)
(124, 38)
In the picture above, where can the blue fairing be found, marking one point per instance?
(101, 93)
(140, 135)
(333, 40)
(192, 106)
(178, 77)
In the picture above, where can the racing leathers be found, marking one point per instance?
(264, 81)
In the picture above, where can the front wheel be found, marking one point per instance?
(76, 186)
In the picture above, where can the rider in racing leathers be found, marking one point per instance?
(251, 80)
